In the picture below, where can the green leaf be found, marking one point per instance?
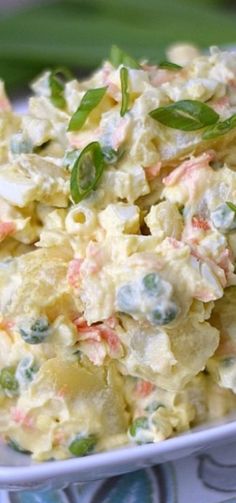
(89, 101)
(231, 206)
(220, 128)
(86, 172)
(186, 115)
(119, 57)
(167, 65)
(124, 79)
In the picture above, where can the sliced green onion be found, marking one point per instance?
(87, 171)
(89, 101)
(82, 446)
(231, 206)
(220, 128)
(124, 79)
(167, 65)
(57, 80)
(186, 115)
(119, 57)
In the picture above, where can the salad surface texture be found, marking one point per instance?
(117, 254)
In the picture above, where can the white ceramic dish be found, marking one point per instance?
(18, 472)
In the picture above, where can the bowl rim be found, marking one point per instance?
(52, 469)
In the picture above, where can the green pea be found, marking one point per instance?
(8, 381)
(126, 299)
(224, 218)
(163, 315)
(26, 370)
(111, 156)
(37, 332)
(14, 445)
(82, 446)
(139, 422)
(20, 145)
(153, 283)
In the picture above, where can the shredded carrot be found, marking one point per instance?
(6, 229)
(73, 273)
(200, 223)
(153, 171)
(20, 417)
(186, 169)
(144, 388)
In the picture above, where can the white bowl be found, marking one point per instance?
(19, 472)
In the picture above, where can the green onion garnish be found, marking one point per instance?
(220, 128)
(119, 57)
(87, 171)
(231, 206)
(89, 101)
(124, 79)
(57, 80)
(167, 65)
(186, 115)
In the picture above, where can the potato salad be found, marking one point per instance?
(117, 254)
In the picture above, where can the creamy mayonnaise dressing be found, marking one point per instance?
(117, 307)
